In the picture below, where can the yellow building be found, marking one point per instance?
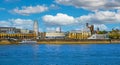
(80, 34)
(17, 36)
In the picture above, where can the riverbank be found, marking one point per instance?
(74, 42)
(77, 41)
(115, 41)
(8, 42)
(66, 42)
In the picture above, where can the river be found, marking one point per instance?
(70, 54)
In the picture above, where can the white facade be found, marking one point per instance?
(36, 28)
(52, 35)
(99, 36)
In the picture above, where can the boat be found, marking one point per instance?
(28, 41)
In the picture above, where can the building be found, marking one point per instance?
(54, 35)
(79, 34)
(12, 32)
(17, 30)
(99, 36)
(84, 33)
(42, 35)
(19, 36)
(36, 27)
(91, 27)
(8, 30)
(25, 31)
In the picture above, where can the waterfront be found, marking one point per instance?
(66, 54)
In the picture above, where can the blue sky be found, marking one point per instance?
(67, 14)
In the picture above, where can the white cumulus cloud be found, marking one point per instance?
(101, 17)
(92, 4)
(59, 19)
(26, 10)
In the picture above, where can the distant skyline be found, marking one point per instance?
(67, 14)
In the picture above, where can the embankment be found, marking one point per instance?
(74, 41)
(59, 41)
(115, 41)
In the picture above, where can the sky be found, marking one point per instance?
(67, 14)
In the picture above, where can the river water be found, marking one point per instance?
(45, 54)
